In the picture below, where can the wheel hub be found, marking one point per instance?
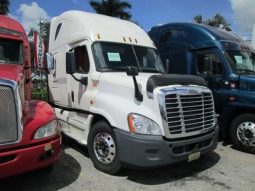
(104, 147)
(246, 133)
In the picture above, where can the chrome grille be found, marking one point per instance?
(189, 113)
(8, 116)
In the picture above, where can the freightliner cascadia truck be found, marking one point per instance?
(107, 85)
(29, 132)
(228, 65)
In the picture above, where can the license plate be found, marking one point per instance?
(194, 156)
(47, 147)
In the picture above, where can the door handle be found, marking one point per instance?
(72, 96)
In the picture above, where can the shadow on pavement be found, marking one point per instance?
(227, 143)
(71, 143)
(172, 172)
(64, 173)
(159, 175)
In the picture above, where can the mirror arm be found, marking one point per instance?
(138, 94)
(79, 80)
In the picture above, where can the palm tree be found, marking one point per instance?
(198, 19)
(114, 8)
(216, 21)
(4, 7)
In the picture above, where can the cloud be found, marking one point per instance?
(30, 14)
(244, 14)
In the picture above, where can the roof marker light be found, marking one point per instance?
(130, 39)
(124, 39)
(98, 36)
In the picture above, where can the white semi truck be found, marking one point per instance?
(107, 85)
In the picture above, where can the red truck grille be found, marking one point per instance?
(8, 116)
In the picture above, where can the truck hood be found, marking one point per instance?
(11, 72)
(147, 82)
(121, 79)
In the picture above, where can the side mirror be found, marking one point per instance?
(49, 59)
(132, 71)
(70, 63)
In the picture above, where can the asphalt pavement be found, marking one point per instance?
(223, 169)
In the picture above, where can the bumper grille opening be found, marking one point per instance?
(190, 147)
(8, 116)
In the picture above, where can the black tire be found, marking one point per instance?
(112, 167)
(247, 118)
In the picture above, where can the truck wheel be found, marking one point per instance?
(103, 149)
(242, 132)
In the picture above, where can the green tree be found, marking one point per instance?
(114, 8)
(198, 19)
(216, 21)
(4, 7)
(43, 31)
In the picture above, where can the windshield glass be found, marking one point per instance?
(11, 52)
(116, 57)
(242, 62)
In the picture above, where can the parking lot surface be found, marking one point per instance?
(223, 169)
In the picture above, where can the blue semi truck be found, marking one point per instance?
(228, 65)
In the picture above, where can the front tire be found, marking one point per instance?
(103, 149)
(242, 132)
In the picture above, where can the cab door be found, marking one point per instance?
(78, 83)
(210, 65)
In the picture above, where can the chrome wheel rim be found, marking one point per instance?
(246, 133)
(104, 147)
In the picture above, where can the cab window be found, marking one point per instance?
(210, 63)
(82, 59)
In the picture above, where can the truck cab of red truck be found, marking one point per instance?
(29, 132)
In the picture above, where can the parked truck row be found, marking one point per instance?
(110, 91)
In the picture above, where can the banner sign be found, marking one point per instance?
(39, 51)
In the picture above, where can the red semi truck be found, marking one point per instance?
(29, 132)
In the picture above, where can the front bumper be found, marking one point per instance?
(151, 151)
(30, 158)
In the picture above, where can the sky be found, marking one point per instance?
(148, 13)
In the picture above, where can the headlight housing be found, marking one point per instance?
(143, 125)
(48, 130)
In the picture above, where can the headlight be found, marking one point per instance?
(47, 130)
(143, 125)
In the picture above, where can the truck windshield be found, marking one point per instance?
(11, 51)
(242, 62)
(117, 56)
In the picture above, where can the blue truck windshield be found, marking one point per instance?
(117, 56)
(11, 51)
(243, 63)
